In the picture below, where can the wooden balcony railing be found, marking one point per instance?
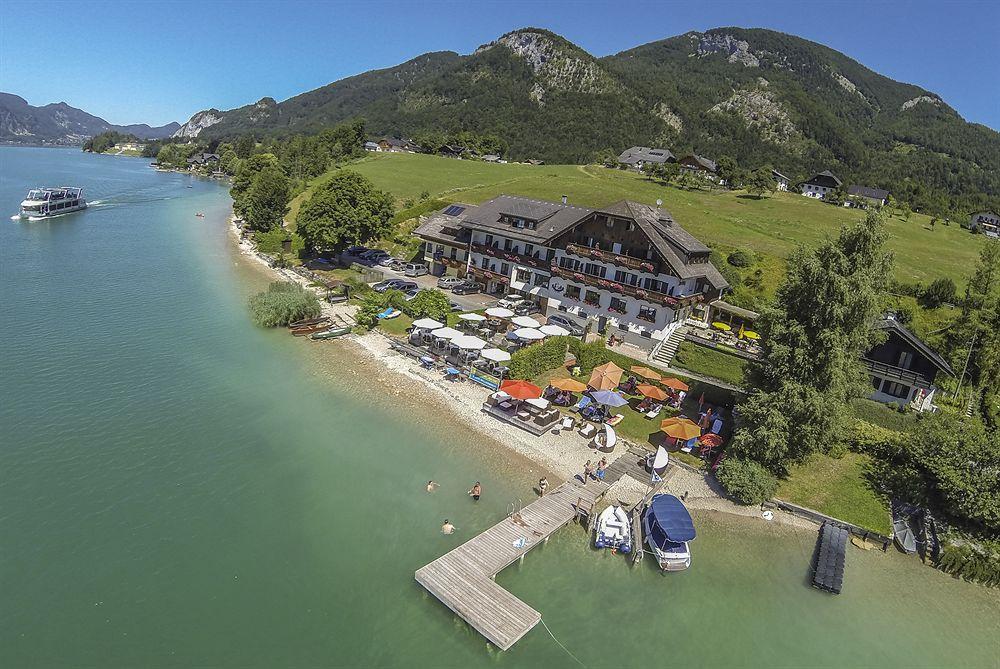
(614, 258)
(519, 258)
(623, 289)
(896, 373)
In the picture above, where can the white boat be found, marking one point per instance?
(613, 530)
(668, 529)
(46, 202)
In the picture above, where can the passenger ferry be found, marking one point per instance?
(44, 202)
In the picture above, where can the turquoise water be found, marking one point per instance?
(180, 488)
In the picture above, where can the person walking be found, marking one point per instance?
(588, 472)
(601, 467)
(543, 484)
(476, 491)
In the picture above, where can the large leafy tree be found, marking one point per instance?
(266, 201)
(812, 341)
(244, 178)
(346, 209)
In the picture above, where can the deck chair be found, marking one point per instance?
(584, 402)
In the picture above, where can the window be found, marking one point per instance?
(529, 249)
(905, 358)
(484, 263)
(523, 275)
(593, 269)
(647, 314)
(505, 269)
(506, 245)
(566, 263)
(489, 240)
(540, 280)
(618, 305)
(572, 292)
(593, 298)
(896, 389)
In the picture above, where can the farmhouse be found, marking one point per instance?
(202, 159)
(695, 164)
(903, 368)
(628, 266)
(780, 179)
(985, 222)
(864, 196)
(371, 146)
(397, 145)
(820, 184)
(638, 156)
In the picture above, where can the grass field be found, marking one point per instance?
(710, 362)
(838, 488)
(772, 226)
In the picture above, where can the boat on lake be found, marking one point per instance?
(613, 530)
(332, 333)
(47, 202)
(668, 529)
(904, 531)
(310, 329)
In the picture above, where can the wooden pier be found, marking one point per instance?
(463, 578)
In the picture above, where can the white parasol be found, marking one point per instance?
(446, 333)
(553, 331)
(524, 322)
(469, 343)
(427, 324)
(472, 317)
(495, 354)
(530, 334)
(499, 312)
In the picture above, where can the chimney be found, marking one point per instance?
(564, 199)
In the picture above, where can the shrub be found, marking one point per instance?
(939, 292)
(372, 304)
(431, 303)
(531, 361)
(282, 303)
(977, 561)
(740, 258)
(746, 481)
(875, 440)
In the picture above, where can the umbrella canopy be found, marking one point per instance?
(553, 331)
(427, 324)
(472, 317)
(499, 312)
(495, 354)
(524, 322)
(539, 402)
(446, 333)
(711, 439)
(469, 343)
(606, 377)
(570, 385)
(683, 429)
(719, 325)
(750, 334)
(652, 392)
(645, 372)
(530, 334)
(610, 398)
(676, 384)
(520, 390)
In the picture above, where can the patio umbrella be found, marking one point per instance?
(652, 392)
(645, 372)
(606, 377)
(711, 439)
(719, 325)
(553, 330)
(499, 312)
(495, 354)
(683, 429)
(524, 322)
(530, 334)
(676, 384)
(469, 343)
(611, 399)
(472, 317)
(750, 334)
(446, 333)
(520, 390)
(569, 385)
(427, 324)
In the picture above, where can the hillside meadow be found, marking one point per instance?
(772, 226)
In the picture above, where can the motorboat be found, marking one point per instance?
(310, 329)
(332, 333)
(668, 529)
(46, 202)
(613, 530)
(903, 531)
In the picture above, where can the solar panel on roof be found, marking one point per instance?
(454, 210)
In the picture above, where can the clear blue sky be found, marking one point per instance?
(157, 62)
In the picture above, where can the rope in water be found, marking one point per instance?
(560, 644)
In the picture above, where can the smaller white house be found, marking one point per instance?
(819, 185)
(986, 222)
(780, 180)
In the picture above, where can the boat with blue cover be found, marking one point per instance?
(668, 529)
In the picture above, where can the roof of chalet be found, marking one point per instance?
(446, 228)
(868, 192)
(890, 324)
(644, 154)
(825, 173)
(701, 160)
(988, 212)
(551, 218)
(399, 143)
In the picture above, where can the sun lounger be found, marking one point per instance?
(655, 411)
(584, 402)
(568, 422)
(614, 420)
(588, 430)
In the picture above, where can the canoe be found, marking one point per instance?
(332, 333)
(310, 329)
(308, 321)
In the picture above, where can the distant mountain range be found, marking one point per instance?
(759, 96)
(59, 123)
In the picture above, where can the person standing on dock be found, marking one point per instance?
(476, 491)
(588, 472)
(543, 484)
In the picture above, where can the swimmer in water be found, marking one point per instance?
(431, 486)
(447, 528)
(476, 491)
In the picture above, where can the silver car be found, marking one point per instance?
(574, 328)
(415, 269)
(449, 282)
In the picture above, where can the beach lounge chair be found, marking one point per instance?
(614, 420)
(654, 411)
(588, 431)
(584, 402)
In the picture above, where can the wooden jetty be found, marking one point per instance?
(828, 573)
(463, 578)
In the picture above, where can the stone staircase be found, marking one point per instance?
(664, 354)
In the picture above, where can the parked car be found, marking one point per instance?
(574, 328)
(455, 306)
(415, 269)
(389, 260)
(467, 288)
(396, 284)
(355, 250)
(397, 265)
(410, 294)
(510, 301)
(373, 257)
(526, 308)
(449, 282)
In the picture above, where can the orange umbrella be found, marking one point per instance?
(676, 384)
(521, 390)
(606, 377)
(711, 439)
(683, 430)
(672, 420)
(645, 372)
(570, 385)
(652, 392)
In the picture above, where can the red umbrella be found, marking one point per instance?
(711, 439)
(521, 390)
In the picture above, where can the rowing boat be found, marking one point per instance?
(332, 333)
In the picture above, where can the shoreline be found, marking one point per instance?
(559, 457)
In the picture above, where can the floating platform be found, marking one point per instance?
(831, 551)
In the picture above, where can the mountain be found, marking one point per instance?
(758, 96)
(58, 123)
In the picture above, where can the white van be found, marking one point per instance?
(415, 269)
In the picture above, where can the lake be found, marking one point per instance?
(178, 487)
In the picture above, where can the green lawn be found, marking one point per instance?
(772, 226)
(710, 362)
(838, 488)
(397, 326)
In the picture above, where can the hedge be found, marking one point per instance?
(748, 482)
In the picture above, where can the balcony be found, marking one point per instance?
(509, 256)
(893, 373)
(623, 289)
(488, 275)
(627, 262)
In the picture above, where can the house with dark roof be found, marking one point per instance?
(627, 267)
(451, 150)
(819, 185)
(637, 156)
(372, 146)
(985, 222)
(397, 145)
(865, 196)
(780, 179)
(700, 165)
(202, 159)
(903, 368)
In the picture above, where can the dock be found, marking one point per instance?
(463, 578)
(828, 571)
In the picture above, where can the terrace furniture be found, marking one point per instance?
(584, 402)
(588, 431)
(655, 411)
(568, 422)
(506, 405)
(523, 415)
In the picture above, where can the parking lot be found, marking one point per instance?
(471, 302)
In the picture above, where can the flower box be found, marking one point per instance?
(648, 266)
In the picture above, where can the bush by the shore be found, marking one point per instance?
(746, 481)
(282, 303)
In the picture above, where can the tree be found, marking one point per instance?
(812, 340)
(244, 146)
(760, 181)
(346, 209)
(244, 178)
(941, 291)
(266, 202)
(430, 304)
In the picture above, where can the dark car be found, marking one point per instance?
(397, 284)
(526, 308)
(355, 250)
(467, 288)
